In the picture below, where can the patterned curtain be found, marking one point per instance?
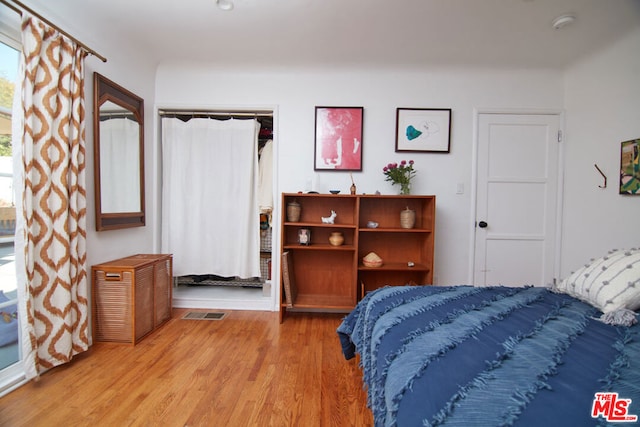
(54, 286)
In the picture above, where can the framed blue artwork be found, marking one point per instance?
(423, 129)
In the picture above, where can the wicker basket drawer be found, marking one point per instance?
(113, 308)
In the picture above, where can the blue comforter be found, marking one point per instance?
(493, 356)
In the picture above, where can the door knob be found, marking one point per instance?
(482, 224)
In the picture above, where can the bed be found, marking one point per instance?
(490, 356)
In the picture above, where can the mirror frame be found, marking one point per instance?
(106, 90)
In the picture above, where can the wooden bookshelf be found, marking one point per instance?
(333, 278)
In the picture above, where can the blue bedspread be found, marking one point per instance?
(466, 356)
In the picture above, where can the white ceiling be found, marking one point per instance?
(334, 33)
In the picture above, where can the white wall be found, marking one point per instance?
(129, 71)
(600, 98)
(602, 101)
(128, 68)
(295, 93)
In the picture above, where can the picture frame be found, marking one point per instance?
(630, 167)
(423, 130)
(304, 237)
(338, 138)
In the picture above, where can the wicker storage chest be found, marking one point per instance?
(131, 297)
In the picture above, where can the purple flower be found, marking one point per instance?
(401, 173)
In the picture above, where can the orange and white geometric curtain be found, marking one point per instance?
(52, 227)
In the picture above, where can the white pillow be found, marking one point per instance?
(608, 283)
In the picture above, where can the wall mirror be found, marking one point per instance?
(118, 124)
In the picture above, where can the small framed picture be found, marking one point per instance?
(338, 138)
(304, 236)
(630, 167)
(423, 129)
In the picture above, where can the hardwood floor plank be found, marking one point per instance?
(244, 370)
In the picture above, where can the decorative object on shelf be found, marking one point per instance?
(372, 260)
(372, 224)
(630, 167)
(304, 236)
(401, 174)
(336, 238)
(338, 138)
(423, 129)
(293, 211)
(329, 219)
(290, 290)
(353, 184)
(407, 218)
(334, 191)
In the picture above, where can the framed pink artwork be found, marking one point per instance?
(338, 138)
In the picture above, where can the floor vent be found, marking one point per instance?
(204, 315)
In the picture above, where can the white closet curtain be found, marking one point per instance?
(120, 165)
(209, 196)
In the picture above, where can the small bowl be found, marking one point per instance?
(334, 191)
(372, 264)
(372, 224)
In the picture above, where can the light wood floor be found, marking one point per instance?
(244, 370)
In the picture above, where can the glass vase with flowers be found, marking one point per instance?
(400, 173)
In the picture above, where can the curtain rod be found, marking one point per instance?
(116, 114)
(31, 11)
(225, 113)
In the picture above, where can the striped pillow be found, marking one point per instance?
(609, 283)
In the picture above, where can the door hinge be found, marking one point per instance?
(559, 136)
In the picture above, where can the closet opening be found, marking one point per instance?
(202, 152)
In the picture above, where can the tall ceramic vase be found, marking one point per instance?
(407, 218)
(293, 211)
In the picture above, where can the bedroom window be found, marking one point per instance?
(9, 345)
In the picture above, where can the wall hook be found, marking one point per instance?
(603, 176)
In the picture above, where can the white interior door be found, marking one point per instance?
(516, 199)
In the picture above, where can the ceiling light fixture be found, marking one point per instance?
(563, 21)
(225, 5)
